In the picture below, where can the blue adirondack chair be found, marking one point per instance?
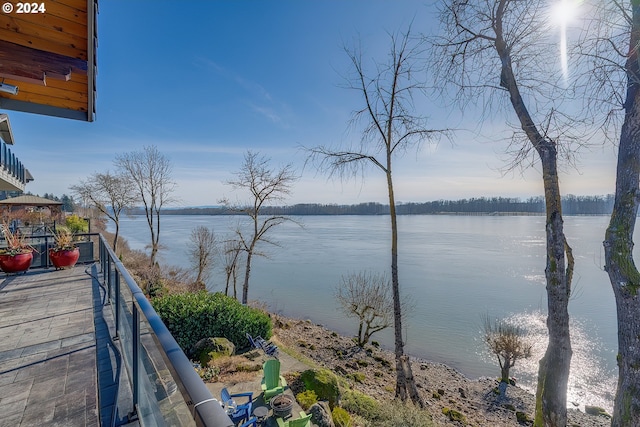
(241, 411)
(253, 422)
(261, 344)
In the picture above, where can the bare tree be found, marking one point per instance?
(507, 342)
(265, 185)
(202, 251)
(496, 51)
(367, 297)
(150, 172)
(111, 194)
(390, 127)
(611, 48)
(231, 254)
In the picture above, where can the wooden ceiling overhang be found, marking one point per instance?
(50, 55)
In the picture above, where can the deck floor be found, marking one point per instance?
(49, 345)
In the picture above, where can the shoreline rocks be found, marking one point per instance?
(448, 394)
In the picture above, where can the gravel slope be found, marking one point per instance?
(440, 386)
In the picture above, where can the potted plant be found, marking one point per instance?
(16, 257)
(64, 253)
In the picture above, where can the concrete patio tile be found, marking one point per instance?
(40, 348)
(12, 408)
(46, 389)
(78, 339)
(15, 391)
(76, 419)
(39, 413)
(71, 407)
(47, 369)
(8, 378)
(74, 348)
(10, 354)
(33, 337)
(20, 362)
(79, 383)
(9, 420)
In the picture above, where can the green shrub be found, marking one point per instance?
(192, 316)
(324, 383)
(306, 399)
(359, 403)
(341, 418)
(76, 224)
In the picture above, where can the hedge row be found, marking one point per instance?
(195, 315)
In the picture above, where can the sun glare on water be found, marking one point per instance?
(563, 13)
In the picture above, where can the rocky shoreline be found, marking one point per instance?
(372, 371)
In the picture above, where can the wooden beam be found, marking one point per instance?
(31, 65)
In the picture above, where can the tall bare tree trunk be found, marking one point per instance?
(405, 383)
(247, 273)
(401, 383)
(618, 244)
(553, 372)
(115, 237)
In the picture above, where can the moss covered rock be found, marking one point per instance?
(596, 410)
(324, 383)
(208, 349)
(455, 415)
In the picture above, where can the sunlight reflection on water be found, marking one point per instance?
(590, 382)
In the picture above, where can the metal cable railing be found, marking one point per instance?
(166, 390)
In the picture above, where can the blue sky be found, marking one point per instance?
(205, 81)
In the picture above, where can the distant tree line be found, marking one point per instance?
(571, 205)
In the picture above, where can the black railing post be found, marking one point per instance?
(46, 251)
(136, 355)
(108, 301)
(117, 303)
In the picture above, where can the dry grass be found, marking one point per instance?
(237, 369)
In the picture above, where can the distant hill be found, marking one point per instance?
(571, 205)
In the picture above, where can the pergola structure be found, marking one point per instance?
(48, 57)
(9, 205)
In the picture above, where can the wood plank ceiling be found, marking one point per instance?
(51, 57)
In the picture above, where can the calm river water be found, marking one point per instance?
(455, 270)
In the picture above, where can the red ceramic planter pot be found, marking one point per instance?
(64, 259)
(16, 263)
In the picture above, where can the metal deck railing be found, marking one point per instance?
(165, 387)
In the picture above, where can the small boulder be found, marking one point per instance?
(324, 383)
(321, 414)
(208, 349)
(340, 370)
(596, 410)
